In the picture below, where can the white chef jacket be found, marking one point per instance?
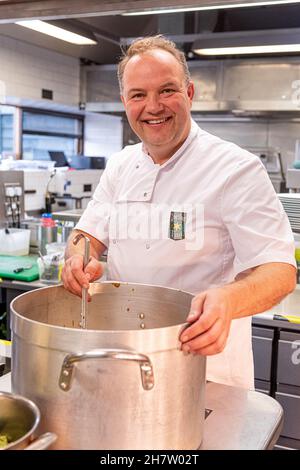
(192, 223)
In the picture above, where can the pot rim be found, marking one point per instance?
(30, 404)
(63, 338)
(16, 316)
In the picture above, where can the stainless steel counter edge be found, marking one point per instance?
(285, 325)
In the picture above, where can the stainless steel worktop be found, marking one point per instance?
(240, 419)
(285, 315)
(69, 215)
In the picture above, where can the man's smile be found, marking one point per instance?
(154, 122)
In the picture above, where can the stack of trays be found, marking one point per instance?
(291, 205)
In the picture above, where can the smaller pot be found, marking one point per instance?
(19, 419)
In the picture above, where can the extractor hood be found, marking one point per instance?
(256, 86)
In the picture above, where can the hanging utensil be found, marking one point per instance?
(84, 297)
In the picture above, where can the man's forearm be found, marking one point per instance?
(96, 248)
(261, 289)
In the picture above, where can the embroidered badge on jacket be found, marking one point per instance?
(177, 225)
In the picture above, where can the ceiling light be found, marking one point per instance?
(270, 41)
(223, 6)
(271, 49)
(56, 32)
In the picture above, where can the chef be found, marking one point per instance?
(187, 210)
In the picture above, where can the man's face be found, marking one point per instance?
(157, 101)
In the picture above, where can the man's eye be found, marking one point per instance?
(137, 96)
(167, 91)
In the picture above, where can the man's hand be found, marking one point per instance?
(210, 317)
(252, 292)
(75, 278)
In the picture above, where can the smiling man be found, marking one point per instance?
(187, 210)
(157, 97)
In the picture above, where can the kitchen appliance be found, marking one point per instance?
(35, 186)
(272, 161)
(123, 383)
(293, 180)
(11, 198)
(76, 183)
(73, 189)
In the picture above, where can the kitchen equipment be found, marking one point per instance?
(33, 224)
(272, 160)
(23, 268)
(42, 233)
(55, 247)
(64, 229)
(68, 216)
(47, 232)
(77, 183)
(14, 242)
(50, 267)
(9, 264)
(234, 420)
(11, 198)
(19, 419)
(291, 205)
(84, 295)
(123, 383)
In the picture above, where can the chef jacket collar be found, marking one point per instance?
(192, 134)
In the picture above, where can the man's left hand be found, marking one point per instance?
(210, 317)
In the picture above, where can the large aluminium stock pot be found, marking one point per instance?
(122, 383)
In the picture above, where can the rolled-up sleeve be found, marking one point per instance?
(255, 219)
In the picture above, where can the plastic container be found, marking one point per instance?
(52, 248)
(64, 229)
(14, 242)
(47, 220)
(47, 232)
(50, 268)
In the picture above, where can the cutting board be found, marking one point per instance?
(9, 263)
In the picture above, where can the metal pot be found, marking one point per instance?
(19, 419)
(123, 383)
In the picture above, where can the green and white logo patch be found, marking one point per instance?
(177, 225)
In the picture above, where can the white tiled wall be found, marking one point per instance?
(25, 69)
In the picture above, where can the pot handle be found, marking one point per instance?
(146, 367)
(42, 442)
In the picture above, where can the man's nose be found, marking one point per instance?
(154, 104)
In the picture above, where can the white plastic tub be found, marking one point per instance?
(15, 242)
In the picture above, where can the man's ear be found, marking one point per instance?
(123, 100)
(191, 91)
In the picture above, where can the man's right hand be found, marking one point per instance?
(75, 278)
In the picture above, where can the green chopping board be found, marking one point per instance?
(9, 263)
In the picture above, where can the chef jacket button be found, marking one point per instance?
(145, 194)
(147, 246)
(114, 242)
(137, 166)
